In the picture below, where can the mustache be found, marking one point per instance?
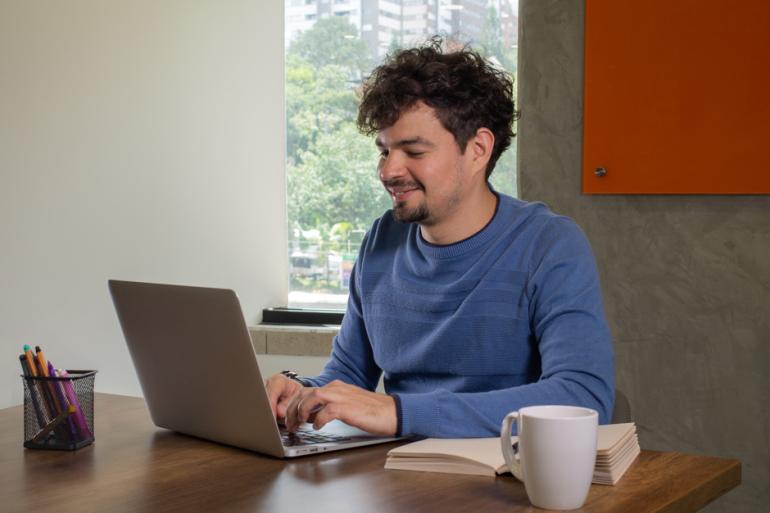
(402, 183)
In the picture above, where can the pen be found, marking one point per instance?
(80, 419)
(43, 367)
(53, 424)
(41, 361)
(50, 387)
(30, 360)
(33, 391)
(57, 386)
(31, 366)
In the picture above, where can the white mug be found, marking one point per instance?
(556, 453)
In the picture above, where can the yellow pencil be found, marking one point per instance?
(43, 365)
(31, 363)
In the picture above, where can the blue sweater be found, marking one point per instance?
(468, 332)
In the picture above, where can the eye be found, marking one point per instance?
(415, 154)
(383, 154)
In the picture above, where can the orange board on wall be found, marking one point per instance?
(677, 97)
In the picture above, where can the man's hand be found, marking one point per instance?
(370, 411)
(280, 391)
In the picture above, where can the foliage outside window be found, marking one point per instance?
(333, 191)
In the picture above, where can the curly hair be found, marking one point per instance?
(466, 91)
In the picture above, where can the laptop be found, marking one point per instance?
(199, 374)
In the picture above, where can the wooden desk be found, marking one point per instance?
(135, 467)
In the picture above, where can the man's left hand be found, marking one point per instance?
(370, 411)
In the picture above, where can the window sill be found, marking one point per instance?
(293, 340)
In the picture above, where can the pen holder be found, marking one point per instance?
(59, 411)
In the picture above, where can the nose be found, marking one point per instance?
(390, 167)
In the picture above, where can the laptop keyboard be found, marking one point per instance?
(309, 437)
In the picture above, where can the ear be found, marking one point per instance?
(479, 149)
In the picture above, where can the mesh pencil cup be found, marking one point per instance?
(59, 411)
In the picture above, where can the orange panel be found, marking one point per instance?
(677, 97)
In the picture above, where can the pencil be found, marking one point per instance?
(33, 390)
(32, 366)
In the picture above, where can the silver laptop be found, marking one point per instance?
(199, 374)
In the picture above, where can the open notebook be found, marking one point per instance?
(617, 448)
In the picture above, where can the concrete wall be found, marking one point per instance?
(139, 140)
(686, 280)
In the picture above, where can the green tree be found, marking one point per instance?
(331, 167)
(503, 177)
(395, 44)
(335, 41)
(318, 100)
(492, 43)
(336, 182)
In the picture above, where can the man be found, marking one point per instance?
(472, 303)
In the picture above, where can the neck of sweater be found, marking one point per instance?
(475, 241)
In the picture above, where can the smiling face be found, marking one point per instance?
(422, 168)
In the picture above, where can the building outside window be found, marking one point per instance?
(333, 193)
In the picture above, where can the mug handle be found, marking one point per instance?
(511, 456)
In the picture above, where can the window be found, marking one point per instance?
(333, 191)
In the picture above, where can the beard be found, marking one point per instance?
(401, 211)
(404, 214)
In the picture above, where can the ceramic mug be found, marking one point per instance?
(555, 454)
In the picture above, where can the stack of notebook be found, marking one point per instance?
(617, 448)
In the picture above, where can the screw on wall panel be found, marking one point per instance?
(600, 172)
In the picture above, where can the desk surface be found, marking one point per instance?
(134, 466)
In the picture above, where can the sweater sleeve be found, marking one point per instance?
(351, 360)
(567, 319)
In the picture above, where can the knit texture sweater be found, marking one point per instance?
(462, 334)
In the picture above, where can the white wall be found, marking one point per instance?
(139, 140)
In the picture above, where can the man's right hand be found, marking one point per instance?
(280, 391)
